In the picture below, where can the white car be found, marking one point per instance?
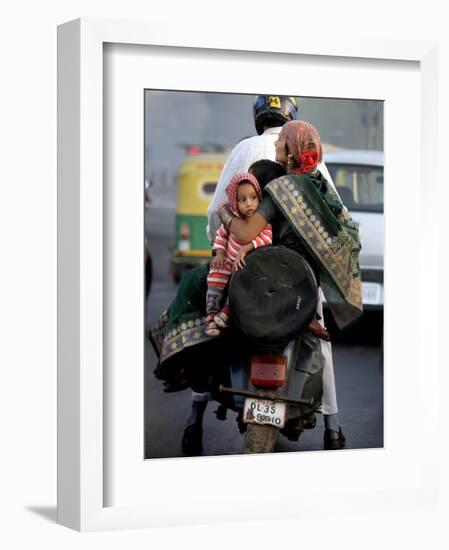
(359, 176)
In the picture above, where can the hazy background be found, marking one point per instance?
(175, 120)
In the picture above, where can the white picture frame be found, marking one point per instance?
(83, 409)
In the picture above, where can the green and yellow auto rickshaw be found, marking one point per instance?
(197, 179)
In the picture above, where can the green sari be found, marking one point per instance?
(183, 324)
(323, 225)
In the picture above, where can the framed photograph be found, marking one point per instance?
(185, 158)
(109, 74)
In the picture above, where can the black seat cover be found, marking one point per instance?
(274, 297)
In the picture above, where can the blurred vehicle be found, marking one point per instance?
(197, 179)
(358, 176)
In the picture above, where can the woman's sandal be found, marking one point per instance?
(222, 318)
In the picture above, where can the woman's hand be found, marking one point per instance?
(218, 260)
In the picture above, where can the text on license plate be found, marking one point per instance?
(262, 411)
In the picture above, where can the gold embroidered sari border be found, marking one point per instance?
(180, 338)
(300, 215)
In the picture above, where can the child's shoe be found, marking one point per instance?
(222, 318)
(211, 327)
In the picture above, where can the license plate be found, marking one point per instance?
(262, 411)
(371, 293)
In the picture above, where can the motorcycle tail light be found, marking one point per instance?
(268, 371)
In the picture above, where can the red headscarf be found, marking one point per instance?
(232, 187)
(303, 142)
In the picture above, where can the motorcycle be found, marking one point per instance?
(276, 374)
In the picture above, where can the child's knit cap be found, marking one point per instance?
(232, 187)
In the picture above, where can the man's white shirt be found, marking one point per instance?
(240, 159)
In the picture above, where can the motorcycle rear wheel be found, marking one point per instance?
(260, 439)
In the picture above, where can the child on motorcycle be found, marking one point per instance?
(244, 196)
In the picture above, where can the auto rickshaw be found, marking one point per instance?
(197, 179)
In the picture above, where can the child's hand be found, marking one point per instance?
(240, 260)
(217, 261)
